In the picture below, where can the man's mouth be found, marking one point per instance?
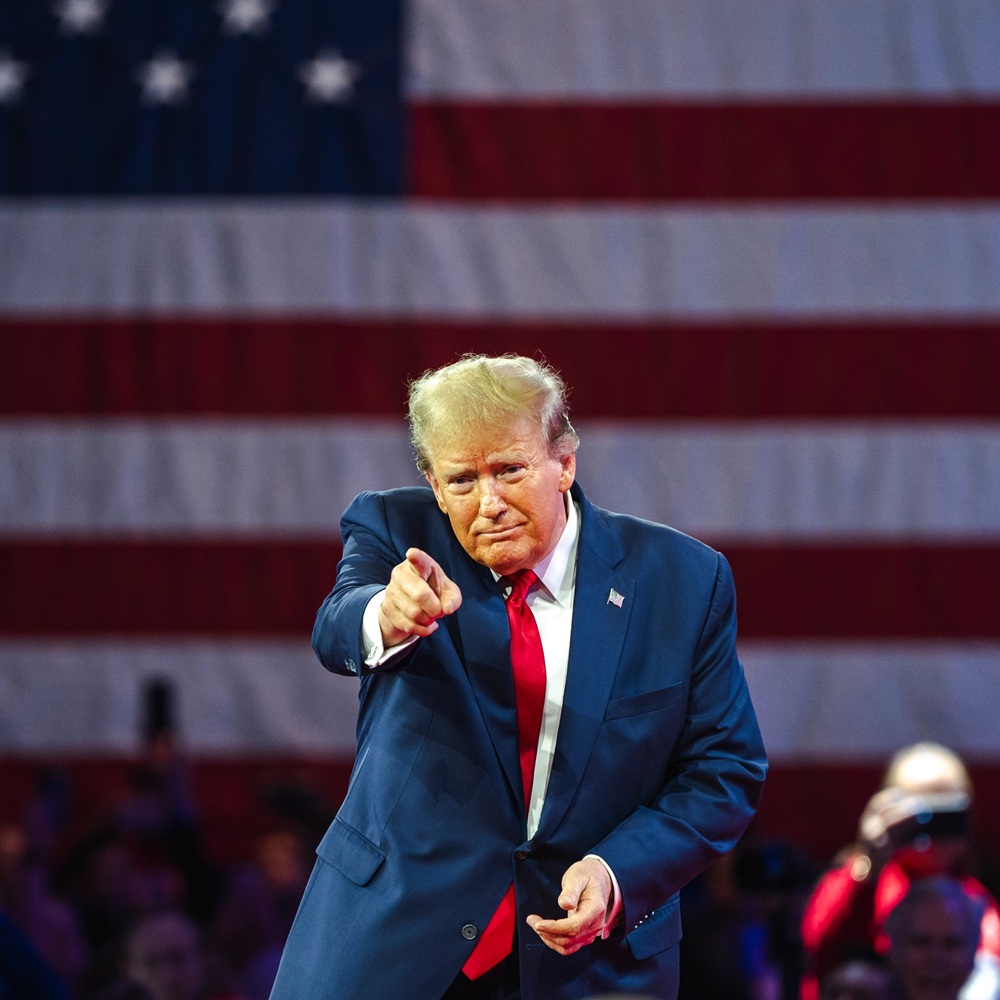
(499, 532)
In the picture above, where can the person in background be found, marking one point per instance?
(933, 935)
(863, 978)
(32, 909)
(164, 958)
(256, 909)
(24, 973)
(916, 826)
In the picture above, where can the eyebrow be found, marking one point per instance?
(453, 467)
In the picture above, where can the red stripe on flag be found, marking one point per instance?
(861, 591)
(77, 587)
(319, 366)
(273, 587)
(705, 151)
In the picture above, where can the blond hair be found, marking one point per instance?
(482, 391)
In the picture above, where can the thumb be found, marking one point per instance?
(572, 887)
(451, 596)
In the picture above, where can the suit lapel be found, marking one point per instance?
(483, 639)
(598, 635)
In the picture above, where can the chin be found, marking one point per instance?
(504, 559)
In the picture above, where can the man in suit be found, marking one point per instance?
(477, 855)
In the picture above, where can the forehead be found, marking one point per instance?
(939, 919)
(166, 932)
(482, 444)
(858, 981)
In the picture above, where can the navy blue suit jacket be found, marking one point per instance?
(658, 765)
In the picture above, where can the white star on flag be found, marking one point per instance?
(80, 16)
(165, 79)
(329, 77)
(615, 598)
(245, 17)
(12, 77)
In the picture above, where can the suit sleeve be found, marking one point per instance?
(714, 781)
(370, 553)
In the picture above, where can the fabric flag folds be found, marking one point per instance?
(761, 243)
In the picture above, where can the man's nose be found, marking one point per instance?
(491, 500)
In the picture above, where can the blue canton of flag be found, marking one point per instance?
(240, 97)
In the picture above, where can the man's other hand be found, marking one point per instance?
(586, 891)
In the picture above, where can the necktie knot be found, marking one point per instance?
(520, 584)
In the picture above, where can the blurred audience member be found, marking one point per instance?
(30, 905)
(256, 911)
(164, 959)
(859, 979)
(741, 918)
(139, 852)
(916, 826)
(934, 933)
(720, 944)
(24, 974)
(621, 996)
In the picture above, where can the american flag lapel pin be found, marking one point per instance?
(615, 598)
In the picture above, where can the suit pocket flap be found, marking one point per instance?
(352, 855)
(648, 701)
(659, 931)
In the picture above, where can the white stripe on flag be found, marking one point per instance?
(86, 696)
(815, 701)
(322, 255)
(853, 480)
(851, 700)
(482, 49)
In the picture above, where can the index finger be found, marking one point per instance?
(424, 564)
(435, 577)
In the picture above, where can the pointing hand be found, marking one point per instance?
(419, 593)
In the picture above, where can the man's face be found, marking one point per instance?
(503, 493)
(933, 955)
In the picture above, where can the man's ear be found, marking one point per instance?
(567, 474)
(436, 487)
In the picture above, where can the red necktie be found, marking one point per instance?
(528, 663)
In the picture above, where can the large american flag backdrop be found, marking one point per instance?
(760, 241)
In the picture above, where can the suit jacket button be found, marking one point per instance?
(521, 855)
(469, 932)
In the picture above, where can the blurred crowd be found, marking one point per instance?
(129, 906)
(899, 914)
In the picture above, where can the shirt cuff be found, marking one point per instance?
(376, 655)
(614, 904)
